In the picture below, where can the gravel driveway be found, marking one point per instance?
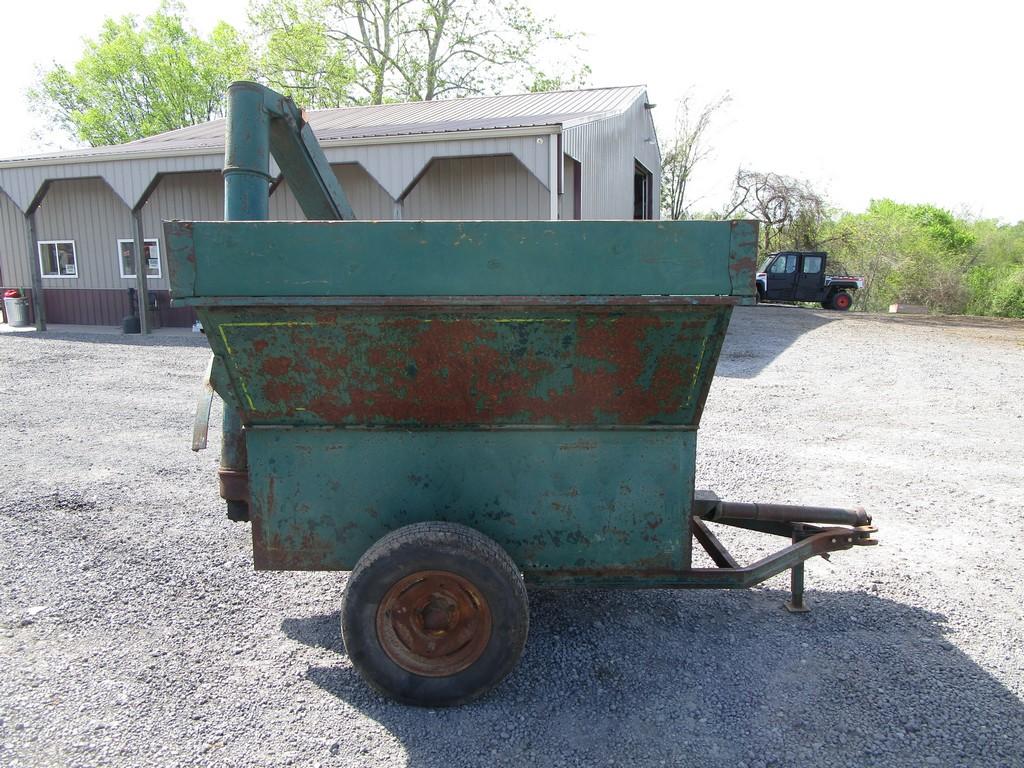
(133, 630)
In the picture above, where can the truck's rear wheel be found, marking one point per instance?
(435, 614)
(842, 301)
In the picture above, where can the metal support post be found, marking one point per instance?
(38, 303)
(796, 604)
(553, 162)
(796, 587)
(140, 270)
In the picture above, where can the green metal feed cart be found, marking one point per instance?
(454, 411)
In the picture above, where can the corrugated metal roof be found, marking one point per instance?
(555, 108)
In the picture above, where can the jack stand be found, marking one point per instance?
(795, 604)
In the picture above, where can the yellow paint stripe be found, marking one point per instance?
(245, 391)
(696, 372)
(267, 324)
(224, 338)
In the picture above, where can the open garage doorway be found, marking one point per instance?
(643, 192)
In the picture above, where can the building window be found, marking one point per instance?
(126, 257)
(57, 258)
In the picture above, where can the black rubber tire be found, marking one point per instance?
(841, 301)
(435, 546)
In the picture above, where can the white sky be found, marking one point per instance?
(917, 101)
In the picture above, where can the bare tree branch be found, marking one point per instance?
(684, 151)
(789, 209)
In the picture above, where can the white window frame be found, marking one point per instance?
(74, 255)
(154, 243)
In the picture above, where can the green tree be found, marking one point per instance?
(918, 254)
(138, 79)
(566, 81)
(1007, 294)
(995, 282)
(297, 56)
(416, 50)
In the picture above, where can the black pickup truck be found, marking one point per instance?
(804, 276)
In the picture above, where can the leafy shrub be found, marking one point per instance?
(1008, 295)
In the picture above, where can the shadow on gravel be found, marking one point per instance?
(956, 321)
(711, 678)
(757, 335)
(322, 631)
(129, 340)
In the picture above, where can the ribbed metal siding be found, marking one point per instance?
(22, 184)
(14, 270)
(127, 178)
(88, 212)
(284, 206)
(188, 196)
(368, 199)
(396, 166)
(452, 188)
(488, 188)
(607, 150)
(393, 166)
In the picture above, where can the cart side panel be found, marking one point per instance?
(462, 367)
(438, 258)
(554, 499)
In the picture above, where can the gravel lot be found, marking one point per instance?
(133, 630)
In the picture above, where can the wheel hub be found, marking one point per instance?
(433, 623)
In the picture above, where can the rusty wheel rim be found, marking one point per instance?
(434, 623)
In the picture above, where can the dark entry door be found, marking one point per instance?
(810, 279)
(780, 282)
